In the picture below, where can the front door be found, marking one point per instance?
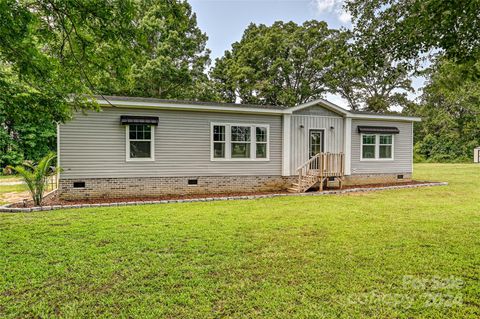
(315, 142)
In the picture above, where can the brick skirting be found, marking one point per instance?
(365, 179)
(154, 186)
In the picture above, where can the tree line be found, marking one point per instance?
(56, 53)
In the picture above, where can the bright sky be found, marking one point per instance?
(225, 20)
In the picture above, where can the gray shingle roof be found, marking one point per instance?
(112, 99)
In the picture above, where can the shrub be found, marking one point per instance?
(36, 176)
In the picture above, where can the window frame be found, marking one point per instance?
(152, 145)
(228, 142)
(377, 148)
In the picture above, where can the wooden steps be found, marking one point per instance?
(317, 170)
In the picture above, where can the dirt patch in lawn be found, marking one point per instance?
(14, 197)
(54, 200)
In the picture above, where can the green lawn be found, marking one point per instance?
(344, 256)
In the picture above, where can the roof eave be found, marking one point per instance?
(186, 106)
(385, 117)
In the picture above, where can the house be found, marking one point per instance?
(146, 147)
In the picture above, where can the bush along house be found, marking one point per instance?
(142, 147)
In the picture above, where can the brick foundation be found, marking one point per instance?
(364, 179)
(154, 186)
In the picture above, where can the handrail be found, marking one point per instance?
(320, 167)
(309, 161)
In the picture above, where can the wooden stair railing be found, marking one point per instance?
(318, 169)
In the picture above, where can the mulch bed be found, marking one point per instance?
(54, 200)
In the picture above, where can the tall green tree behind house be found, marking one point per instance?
(450, 109)
(169, 56)
(282, 64)
(445, 33)
(289, 64)
(367, 75)
(413, 27)
(54, 54)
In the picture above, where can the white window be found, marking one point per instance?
(140, 142)
(237, 142)
(377, 147)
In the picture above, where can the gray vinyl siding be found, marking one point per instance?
(316, 110)
(94, 145)
(300, 137)
(403, 150)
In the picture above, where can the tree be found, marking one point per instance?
(444, 33)
(282, 64)
(410, 28)
(48, 53)
(368, 76)
(54, 54)
(168, 59)
(36, 176)
(450, 109)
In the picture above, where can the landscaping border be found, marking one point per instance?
(7, 209)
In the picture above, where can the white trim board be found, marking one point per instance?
(228, 142)
(175, 105)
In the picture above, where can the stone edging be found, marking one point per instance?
(7, 209)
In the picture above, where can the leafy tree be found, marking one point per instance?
(27, 120)
(289, 64)
(282, 64)
(368, 76)
(410, 28)
(48, 53)
(450, 109)
(56, 53)
(36, 176)
(168, 59)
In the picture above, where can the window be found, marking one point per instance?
(377, 147)
(261, 142)
(219, 141)
(385, 150)
(140, 142)
(368, 147)
(239, 142)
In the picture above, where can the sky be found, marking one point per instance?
(225, 20)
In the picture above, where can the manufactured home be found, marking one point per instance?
(147, 147)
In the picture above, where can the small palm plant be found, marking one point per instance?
(36, 176)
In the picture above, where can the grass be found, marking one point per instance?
(298, 257)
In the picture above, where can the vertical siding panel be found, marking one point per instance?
(300, 136)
